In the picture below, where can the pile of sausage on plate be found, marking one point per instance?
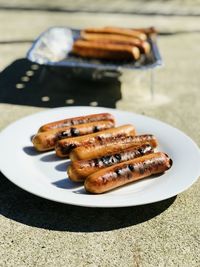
(113, 43)
(103, 156)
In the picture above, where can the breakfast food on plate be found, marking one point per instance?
(80, 169)
(127, 172)
(44, 141)
(77, 120)
(102, 156)
(65, 146)
(113, 43)
(96, 150)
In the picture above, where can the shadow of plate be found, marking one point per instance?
(18, 205)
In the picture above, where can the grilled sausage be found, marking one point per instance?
(79, 170)
(127, 172)
(98, 150)
(113, 51)
(65, 146)
(104, 38)
(116, 30)
(77, 120)
(45, 141)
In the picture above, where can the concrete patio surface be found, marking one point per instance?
(38, 232)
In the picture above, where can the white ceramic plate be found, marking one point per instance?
(45, 175)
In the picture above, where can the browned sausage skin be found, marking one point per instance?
(98, 150)
(77, 120)
(117, 30)
(95, 49)
(79, 170)
(127, 172)
(104, 38)
(65, 146)
(45, 141)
